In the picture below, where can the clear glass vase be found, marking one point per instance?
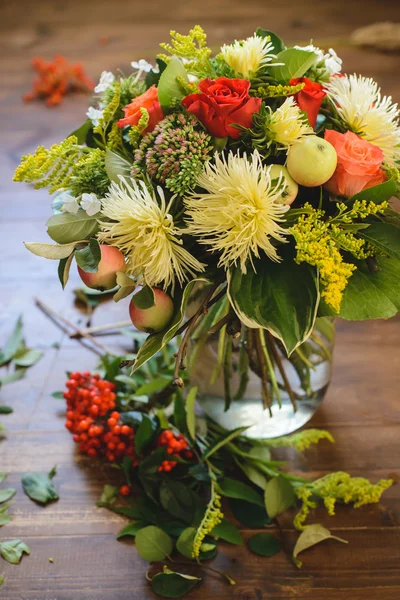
(262, 388)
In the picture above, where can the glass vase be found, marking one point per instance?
(258, 385)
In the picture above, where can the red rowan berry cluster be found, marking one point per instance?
(176, 445)
(93, 421)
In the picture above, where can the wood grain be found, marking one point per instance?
(362, 405)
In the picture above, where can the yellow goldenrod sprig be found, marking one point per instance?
(212, 517)
(192, 47)
(338, 487)
(302, 440)
(276, 91)
(108, 113)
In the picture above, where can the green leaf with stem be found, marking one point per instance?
(153, 544)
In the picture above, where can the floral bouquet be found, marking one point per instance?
(243, 199)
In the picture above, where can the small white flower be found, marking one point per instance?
(90, 203)
(192, 78)
(70, 204)
(106, 79)
(330, 62)
(94, 114)
(333, 63)
(143, 65)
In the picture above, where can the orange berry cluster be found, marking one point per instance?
(56, 78)
(176, 445)
(93, 421)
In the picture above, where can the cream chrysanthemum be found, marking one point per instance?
(288, 124)
(239, 213)
(248, 56)
(361, 107)
(142, 228)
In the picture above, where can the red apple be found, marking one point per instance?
(155, 318)
(112, 260)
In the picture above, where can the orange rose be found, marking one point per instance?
(358, 164)
(149, 101)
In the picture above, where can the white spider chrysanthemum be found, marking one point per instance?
(142, 228)
(328, 62)
(238, 215)
(248, 56)
(288, 124)
(362, 109)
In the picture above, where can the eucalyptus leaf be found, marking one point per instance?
(5, 410)
(279, 495)
(144, 299)
(116, 165)
(39, 487)
(237, 489)
(264, 544)
(190, 414)
(81, 132)
(249, 514)
(3, 476)
(168, 86)
(255, 476)
(295, 64)
(313, 534)
(173, 585)
(127, 286)
(88, 258)
(226, 531)
(5, 519)
(2, 579)
(154, 385)
(280, 297)
(27, 357)
(184, 543)
(7, 494)
(223, 440)
(131, 529)
(11, 377)
(12, 550)
(52, 251)
(64, 267)
(13, 343)
(67, 227)
(180, 501)
(153, 544)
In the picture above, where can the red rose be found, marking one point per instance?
(359, 164)
(309, 98)
(221, 103)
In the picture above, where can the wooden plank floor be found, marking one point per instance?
(362, 406)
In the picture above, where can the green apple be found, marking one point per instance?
(290, 187)
(112, 260)
(311, 161)
(155, 318)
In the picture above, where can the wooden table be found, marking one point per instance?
(361, 409)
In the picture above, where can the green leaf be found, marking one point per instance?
(108, 495)
(126, 286)
(152, 386)
(190, 414)
(184, 543)
(313, 534)
(372, 295)
(225, 439)
(280, 297)
(3, 476)
(88, 258)
(64, 267)
(2, 579)
(13, 343)
(144, 299)
(6, 410)
(156, 341)
(152, 77)
(116, 165)
(12, 550)
(385, 237)
(27, 357)
(179, 413)
(131, 529)
(39, 487)
(168, 86)
(144, 434)
(66, 228)
(296, 63)
(254, 475)
(7, 494)
(173, 585)
(249, 514)
(180, 501)
(279, 495)
(276, 40)
(377, 193)
(11, 377)
(264, 544)
(5, 518)
(228, 532)
(237, 489)
(58, 395)
(82, 131)
(153, 544)
(52, 251)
